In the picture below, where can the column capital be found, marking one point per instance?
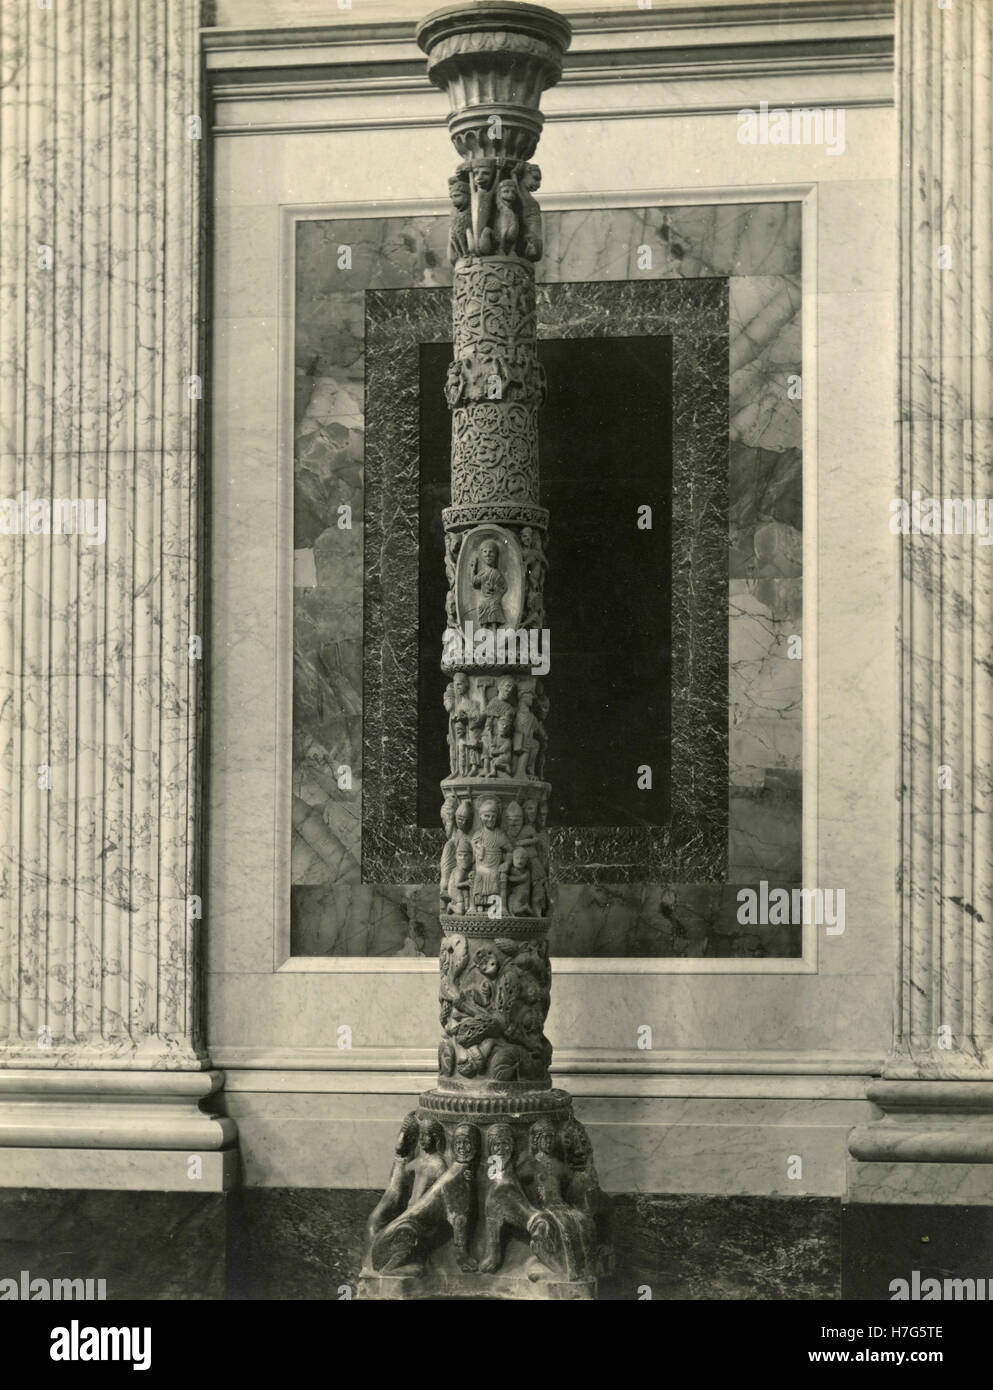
(494, 61)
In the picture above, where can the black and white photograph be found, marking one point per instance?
(496, 667)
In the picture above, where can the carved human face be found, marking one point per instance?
(543, 1139)
(458, 191)
(512, 820)
(506, 725)
(464, 1144)
(460, 681)
(488, 814)
(520, 858)
(505, 689)
(429, 1136)
(507, 192)
(530, 811)
(464, 856)
(463, 816)
(490, 552)
(483, 178)
(526, 537)
(500, 1144)
(532, 177)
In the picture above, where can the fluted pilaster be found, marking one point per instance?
(945, 1004)
(101, 379)
(933, 1142)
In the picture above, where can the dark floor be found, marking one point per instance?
(291, 1243)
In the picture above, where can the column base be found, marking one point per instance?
(932, 1145)
(492, 1195)
(454, 1284)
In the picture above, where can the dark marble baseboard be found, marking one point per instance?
(294, 1243)
(145, 1245)
(882, 1244)
(306, 1244)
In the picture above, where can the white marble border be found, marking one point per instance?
(290, 215)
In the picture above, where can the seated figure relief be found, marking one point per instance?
(442, 1201)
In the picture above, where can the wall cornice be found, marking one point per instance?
(609, 46)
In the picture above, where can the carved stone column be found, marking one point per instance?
(101, 1025)
(934, 1140)
(493, 1192)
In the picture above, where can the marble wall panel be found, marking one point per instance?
(345, 271)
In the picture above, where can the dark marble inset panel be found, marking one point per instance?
(146, 1245)
(694, 845)
(883, 1243)
(606, 450)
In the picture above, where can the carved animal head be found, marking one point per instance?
(458, 191)
(487, 962)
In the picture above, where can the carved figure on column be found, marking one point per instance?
(536, 1237)
(492, 850)
(506, 226)
(488, 578)
(401, 1179)
(442, 1196)
(481, 233)
(528, 182)
(507, 1207)
(457, 704)
(460, 225)
(501, 748)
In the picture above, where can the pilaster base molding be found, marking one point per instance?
(140, 1111)
(933, 1144)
